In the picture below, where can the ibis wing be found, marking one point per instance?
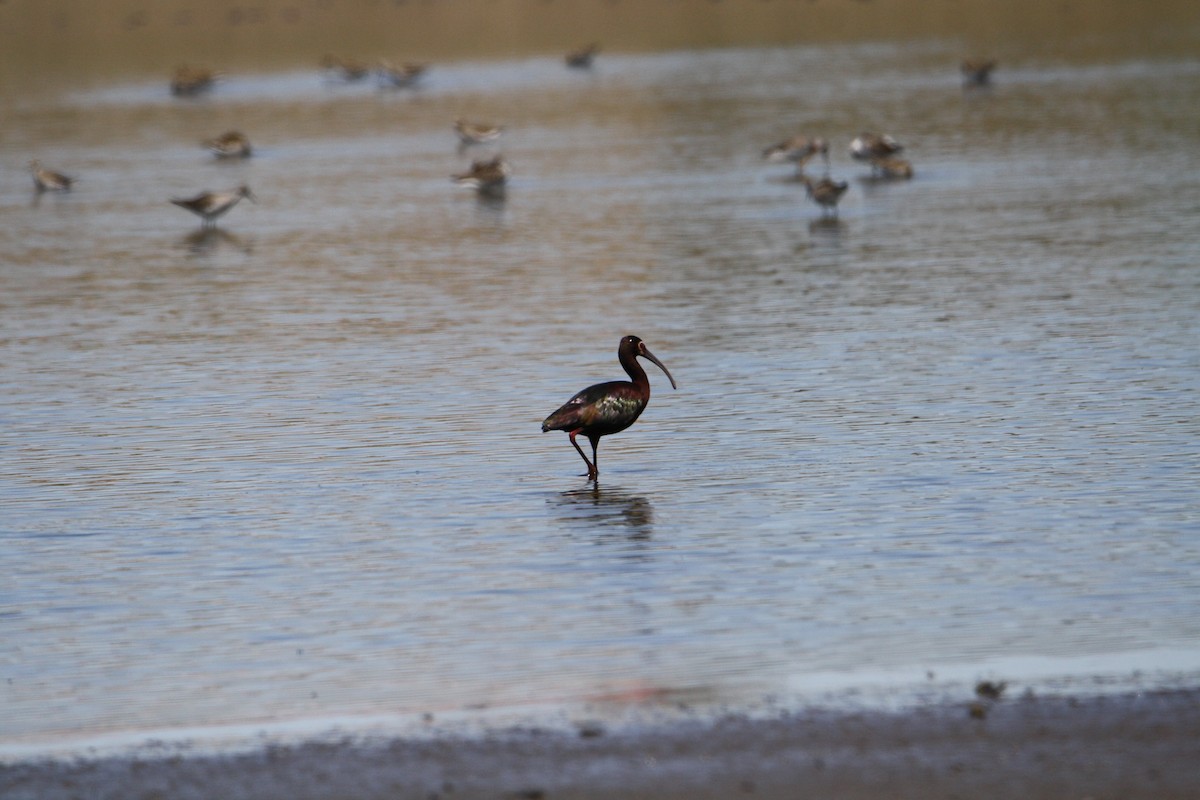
(585, 408)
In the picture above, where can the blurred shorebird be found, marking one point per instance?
(476, 133)
(344, 69)
(799, 150)
(874, 148)
(826, 193)
(977, 71)
(870, 146)
(210, 205)
(231, 144)
(486, 177)
(892, 168)
(583, 57)
(404, 76)
(46, 180)
(191, 81)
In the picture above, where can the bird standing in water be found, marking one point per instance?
(210, 205)
(582, 58)
(826, 192)
(977, 71)
(470, 133)
(488, 178)
(232, 144)
(46, 180)
(872, 146)
(799, 150)
(608, 407)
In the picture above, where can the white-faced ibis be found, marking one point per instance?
(46, 180)
(210, 205)
(607, 407)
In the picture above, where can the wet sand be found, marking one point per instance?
(69, 44)
(1128, 746)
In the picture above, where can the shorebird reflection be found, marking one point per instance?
(205, 241)
(826, 229)
(606, 510)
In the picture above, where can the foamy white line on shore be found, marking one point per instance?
(892, 689)
(1101, 673)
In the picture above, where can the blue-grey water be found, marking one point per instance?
(292, 470)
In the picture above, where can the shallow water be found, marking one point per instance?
(293, 469)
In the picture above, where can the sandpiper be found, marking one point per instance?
(48, 180)
(404, 76)
(210, 205)
(231, 144)
(799, 150)
(582, 58)
(892, 167)
(977, 71)
(191, 81)
(344, 69)
(826, 193)
(870, 146)
(486, 177)
(476, 133)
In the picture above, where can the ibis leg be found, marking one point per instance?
(595, 473)
(592, 472)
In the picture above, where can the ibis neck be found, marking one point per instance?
(634, 370)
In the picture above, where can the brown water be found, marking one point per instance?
(291, 469)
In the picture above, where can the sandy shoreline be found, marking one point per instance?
(1131, 745)
(72, 43)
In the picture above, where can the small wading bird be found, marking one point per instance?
(344, 69)
(232, 144)
(892, 168)
(46, 180)
(607, 407)
(404, 76)
(799, 150)
(869, 146)
(977, 71)
(476, 133)
(210, 205)
(486, 177)
(191, 81)
(583, 57)
(826, 193)
(874, 148)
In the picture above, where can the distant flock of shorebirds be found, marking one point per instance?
(489, 177)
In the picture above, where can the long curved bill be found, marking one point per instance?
(654, 358)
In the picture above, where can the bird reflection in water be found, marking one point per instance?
(205, 241)
(491, 203)
(601, 509)
(826, 228)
